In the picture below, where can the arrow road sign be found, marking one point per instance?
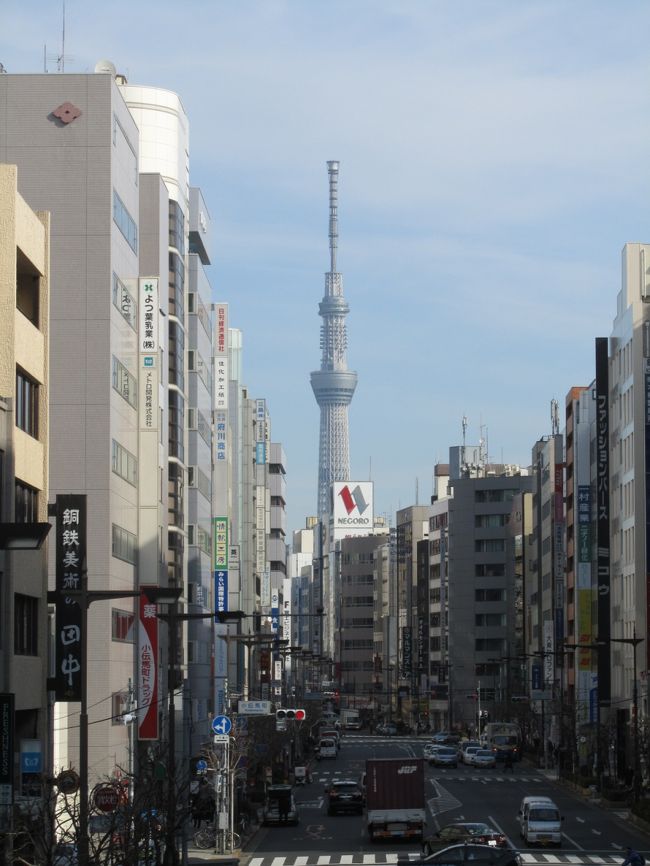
(221, 725)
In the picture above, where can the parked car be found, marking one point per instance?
(276, 795)
(344, 796)
(430, 749)
(483, 758)
(468, 753)
(386, 729)
(476, 832)
(477, 855)
(444, 756)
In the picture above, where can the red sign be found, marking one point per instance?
(147, 670)
(106, 798)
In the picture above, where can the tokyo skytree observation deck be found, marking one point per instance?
(333, 385)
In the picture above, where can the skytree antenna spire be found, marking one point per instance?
(333, 385)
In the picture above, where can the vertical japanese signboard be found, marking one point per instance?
(602, 512)
(647, 501)
(407, 658)
(585, 602)
(147, 670)
(220, 547)
(70, 569)
(275, 611)
(6, 759)
(221, 357)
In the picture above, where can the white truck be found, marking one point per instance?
(350, 720)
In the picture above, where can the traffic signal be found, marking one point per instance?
(291, 715)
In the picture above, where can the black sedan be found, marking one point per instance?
(476, 855)
(464, 831)
(344, 796)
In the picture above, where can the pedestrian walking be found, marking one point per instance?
(633, 858)
(508, 763)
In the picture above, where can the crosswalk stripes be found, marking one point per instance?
(529, 858)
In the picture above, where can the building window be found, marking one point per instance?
(489, 521)
(25, 625)
(490, 619)
(124, 544)
(489, 595)
(489, 545)
(26, 403)
(122, 625)
(125, 222)
(124, 301)
(494, 569)
(489, 644)
(26, 503)
(124, 463)
(124, 383)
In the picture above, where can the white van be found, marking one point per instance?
(327, 748)
(540, 822)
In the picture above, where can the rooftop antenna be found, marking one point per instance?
(555, 417)
(62, 57)
(463, 460)
(483, 447)
(333, 170)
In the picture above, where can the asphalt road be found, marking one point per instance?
(592, 835)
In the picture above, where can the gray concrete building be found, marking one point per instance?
(473, 591)
(77, 148)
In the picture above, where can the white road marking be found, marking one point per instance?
(580, 820)
(347, 858)
(618, 847)
(278, 861)
(598, 860)
(301, 861)
(256, 861)
(551, 858)
(573, 842)
(392, 858)
(597, 832)
(503, 833)
(573, 859)
(369, 858)
(323, 860)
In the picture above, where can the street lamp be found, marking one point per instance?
(634, 641)
(13, 537)
(596, 647)
(84, 597)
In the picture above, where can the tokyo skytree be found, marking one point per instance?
(333, 385)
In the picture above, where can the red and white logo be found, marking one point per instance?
(353, 499)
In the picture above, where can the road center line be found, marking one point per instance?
(573, 842)
(503, 833)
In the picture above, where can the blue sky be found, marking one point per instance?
(494, 160)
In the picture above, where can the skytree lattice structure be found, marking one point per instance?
(333, 385)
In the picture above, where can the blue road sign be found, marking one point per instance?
(201, 765)
(221, 725)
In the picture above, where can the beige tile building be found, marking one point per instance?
(24, 431)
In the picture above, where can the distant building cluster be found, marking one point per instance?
(516, 594)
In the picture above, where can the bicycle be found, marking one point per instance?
(206, 837)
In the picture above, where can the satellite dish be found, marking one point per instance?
(106, 67)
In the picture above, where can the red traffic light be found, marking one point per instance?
(292, 715)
